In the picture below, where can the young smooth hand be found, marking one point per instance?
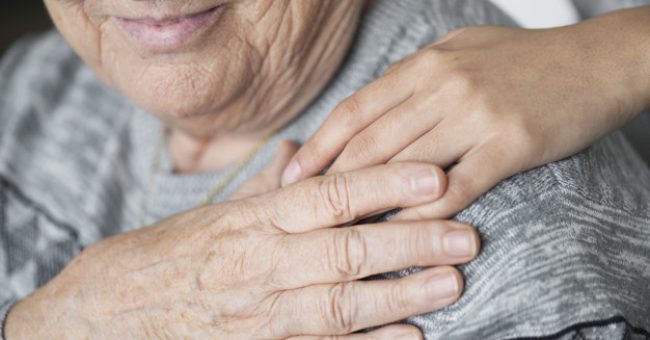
(489, 102)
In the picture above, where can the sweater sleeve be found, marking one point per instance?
(564, 254)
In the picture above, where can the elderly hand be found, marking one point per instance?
(273, 266)
(492, 102)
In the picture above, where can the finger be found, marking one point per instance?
(344, 308)
(468, 180)
(392, 332)
(441, 146)
(269, 178)
(348, 118)
(333, 200)
(388, 135)
(347, 254)
(285, 150)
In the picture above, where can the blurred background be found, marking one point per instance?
(23, 17)
(20, 17)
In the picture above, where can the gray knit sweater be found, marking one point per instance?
(566, 247)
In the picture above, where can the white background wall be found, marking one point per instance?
(539, 13)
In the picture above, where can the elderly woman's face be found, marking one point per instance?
(211, 65)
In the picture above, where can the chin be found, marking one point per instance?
(197, 112)
(176, 106)
(185, 87)
(176, 94)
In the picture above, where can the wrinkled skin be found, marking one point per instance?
(273, 266)
(270, 57)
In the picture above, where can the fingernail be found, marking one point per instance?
(459, 243)
(425, 182)
(291, 173)
(443, 286)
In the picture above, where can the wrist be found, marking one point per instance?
(619, 42)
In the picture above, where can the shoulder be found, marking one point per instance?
(581, 222)
(608, 176)
(570, 237)
(392, 30)
(420, 22)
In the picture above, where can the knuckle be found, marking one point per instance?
(245, 214)
(486, 105)
(424, 152)
(525, 148)
(459, 195)
(282, 311)
(350, 253)
(513, 138)
(490, 113)
(306, 152)
(523, 135)
(463, 83)
(335, 195)
(347, 112)
(516, 136)
(341, 313)
(396, 299)
(422, 241)
(431, 58)
(363, 146)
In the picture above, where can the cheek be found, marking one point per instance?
(82, 33)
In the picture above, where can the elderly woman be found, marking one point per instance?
(207, 91)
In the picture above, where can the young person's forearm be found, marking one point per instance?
(622, 41)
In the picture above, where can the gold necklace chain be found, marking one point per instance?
(221, 185)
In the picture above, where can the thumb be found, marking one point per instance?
(269, 178)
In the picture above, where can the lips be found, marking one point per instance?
(170, 33)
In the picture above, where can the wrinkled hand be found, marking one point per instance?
(273, 266)
(491, 101)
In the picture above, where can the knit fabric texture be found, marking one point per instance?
(565, 247)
